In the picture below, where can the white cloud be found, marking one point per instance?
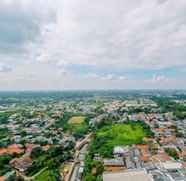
(4, 68)
(109, 77)
(128, 34)
(135, 34)
(106, 35)
(122, 78)
(159, 78)
(106, 77)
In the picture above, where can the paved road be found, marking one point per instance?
(80, 157)
(75, 173)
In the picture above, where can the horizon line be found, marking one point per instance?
(70, 90)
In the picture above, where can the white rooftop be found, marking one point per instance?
(171, 165)
(120, 149)
(133, 175)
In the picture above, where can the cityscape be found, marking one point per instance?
(93, 135)
(92, 90)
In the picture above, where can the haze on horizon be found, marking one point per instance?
(84, 44)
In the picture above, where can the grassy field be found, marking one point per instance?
(46, 175)
(115, 135)
(77, 125)
(76, 120)
(122, 134)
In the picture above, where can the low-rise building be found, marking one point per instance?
(21, 164)
(131, 175)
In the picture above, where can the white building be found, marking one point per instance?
(132, 175)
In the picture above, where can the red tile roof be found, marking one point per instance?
(14, 149)
(167, 139)
(2, 178)
(144, 158)
(3, 151)
(161, 157)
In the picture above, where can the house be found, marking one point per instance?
(120, 150)
(21, 164)
(11, 149)
(3, 151)
(166, 140)
(163, 157)
(145, 154)
(171, 165)
(2, 178)
(113, 164)
(144, 158)
(14, 149)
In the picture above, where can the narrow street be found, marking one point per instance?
(81, 150)
(80, 160)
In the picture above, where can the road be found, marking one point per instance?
(81, 150)
(80, 159)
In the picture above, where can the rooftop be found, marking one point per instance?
(132, 175)
(170, 165)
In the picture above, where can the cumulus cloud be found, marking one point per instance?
(120, 35)
(137, 33)
(107, 77)
(21, 23)
(113, 77)
(159, 78)
(128, 34)
(4, 68)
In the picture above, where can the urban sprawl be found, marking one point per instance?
(93, 136)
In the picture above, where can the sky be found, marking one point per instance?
(92, 44)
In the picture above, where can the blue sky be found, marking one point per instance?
(83, 44)
(139, 73)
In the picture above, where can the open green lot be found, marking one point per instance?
(107, 137)
(77, 120)
(77, 125)
(45, 175)
(122, 134)
(74, 124)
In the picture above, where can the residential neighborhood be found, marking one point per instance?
(92, 90)
(86, 138)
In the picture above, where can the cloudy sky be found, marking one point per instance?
(92, 44)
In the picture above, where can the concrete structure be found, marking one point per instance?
(132, 175)
(171, 165)
(21, 164)
(121, 150)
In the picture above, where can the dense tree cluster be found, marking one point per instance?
(168, 105)
(4, 164)
(50, 159)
